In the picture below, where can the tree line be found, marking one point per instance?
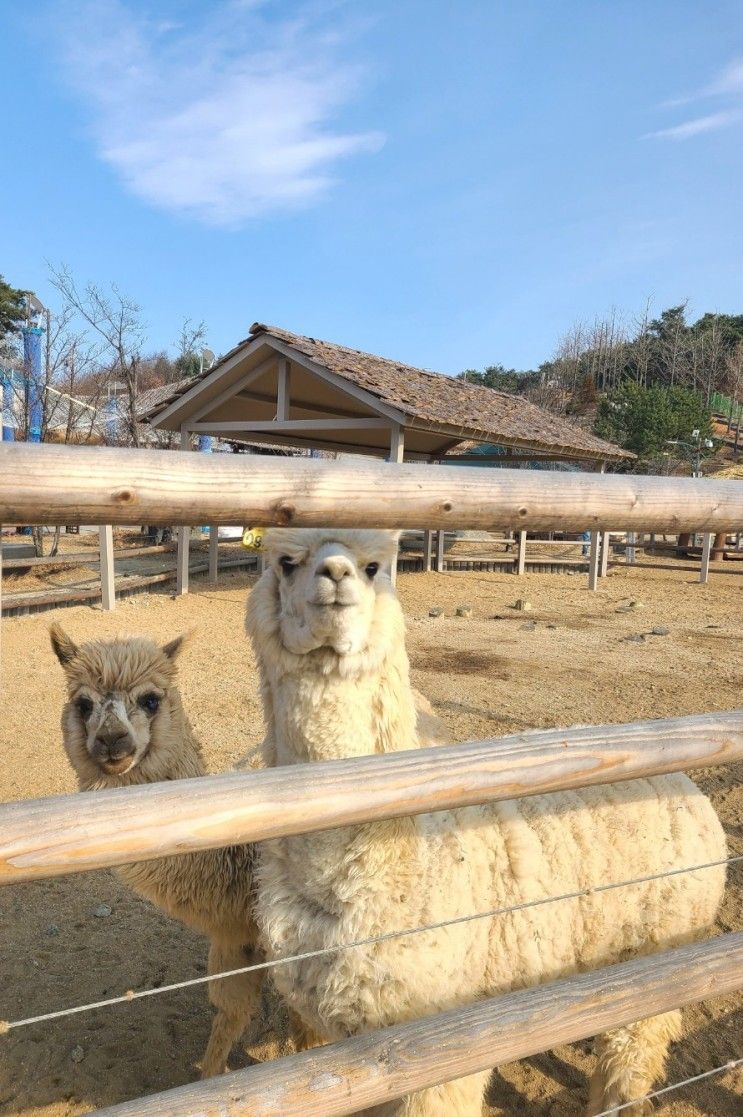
(642, 384)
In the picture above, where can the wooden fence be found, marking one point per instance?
(106, 587)
(66, 834)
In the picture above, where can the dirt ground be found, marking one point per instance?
(565, 661)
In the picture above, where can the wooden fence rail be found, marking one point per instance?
(72, 833)
(49, 484)
(367, 1070)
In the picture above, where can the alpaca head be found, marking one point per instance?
(122, 703)
(325, 589)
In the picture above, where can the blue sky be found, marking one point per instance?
(451, 184)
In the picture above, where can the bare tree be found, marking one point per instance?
(116, 320)
(191, 341)
(642, 347)
(734, 386)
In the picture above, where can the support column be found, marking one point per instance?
(706, 551)
(397, 454)
(184, 540)
(427, 548)
(108, 575)
(213, 553)
(397, 444)
(604, 554)
(521, 554)
(593, 560)
(34, 385)
(282, 391)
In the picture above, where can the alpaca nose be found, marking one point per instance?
(337, 567)
(113, 745)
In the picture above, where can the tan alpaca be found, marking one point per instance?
(330, 639)
(124, 724)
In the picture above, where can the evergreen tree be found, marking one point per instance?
(12, 308)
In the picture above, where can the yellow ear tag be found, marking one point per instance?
(253, 538)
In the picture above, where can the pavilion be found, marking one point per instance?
(282, 389)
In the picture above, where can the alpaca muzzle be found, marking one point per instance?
(113, 750)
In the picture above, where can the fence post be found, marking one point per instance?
(427, 547)
(604, 554)
(182, 557)
(184, 539)
(593, 560)
(107, 572)
(521, 553)
(213, 553)
(440, 550)
(706, 550)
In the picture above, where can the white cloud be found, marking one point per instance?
(695, 127)
(728, 81)
(225, 121)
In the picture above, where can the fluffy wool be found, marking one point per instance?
(329, 635)
(110, 685)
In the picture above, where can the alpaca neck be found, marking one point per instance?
(321, 715)
(205, 889)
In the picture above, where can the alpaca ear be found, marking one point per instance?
(173, 648)
(65, 649)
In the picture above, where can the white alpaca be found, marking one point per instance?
(329, 636)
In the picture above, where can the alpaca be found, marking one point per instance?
(124, 724)
(329, 636)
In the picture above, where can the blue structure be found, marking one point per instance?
(6, 380)
(32, 368)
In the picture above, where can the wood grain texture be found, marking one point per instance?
(71, 833)
(367, 1070)
(46, 484)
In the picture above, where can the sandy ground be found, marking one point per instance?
(566, 661)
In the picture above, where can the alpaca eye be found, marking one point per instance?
(84, 707)
(287, 565)
(150, 703)
(372, 569)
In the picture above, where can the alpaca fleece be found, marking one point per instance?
(332, 888)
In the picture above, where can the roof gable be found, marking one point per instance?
(424, 400)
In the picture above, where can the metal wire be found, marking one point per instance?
(7, 1025)
(675, 1086)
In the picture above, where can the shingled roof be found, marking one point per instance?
(433, 400)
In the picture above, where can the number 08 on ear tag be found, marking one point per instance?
(253, 538)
